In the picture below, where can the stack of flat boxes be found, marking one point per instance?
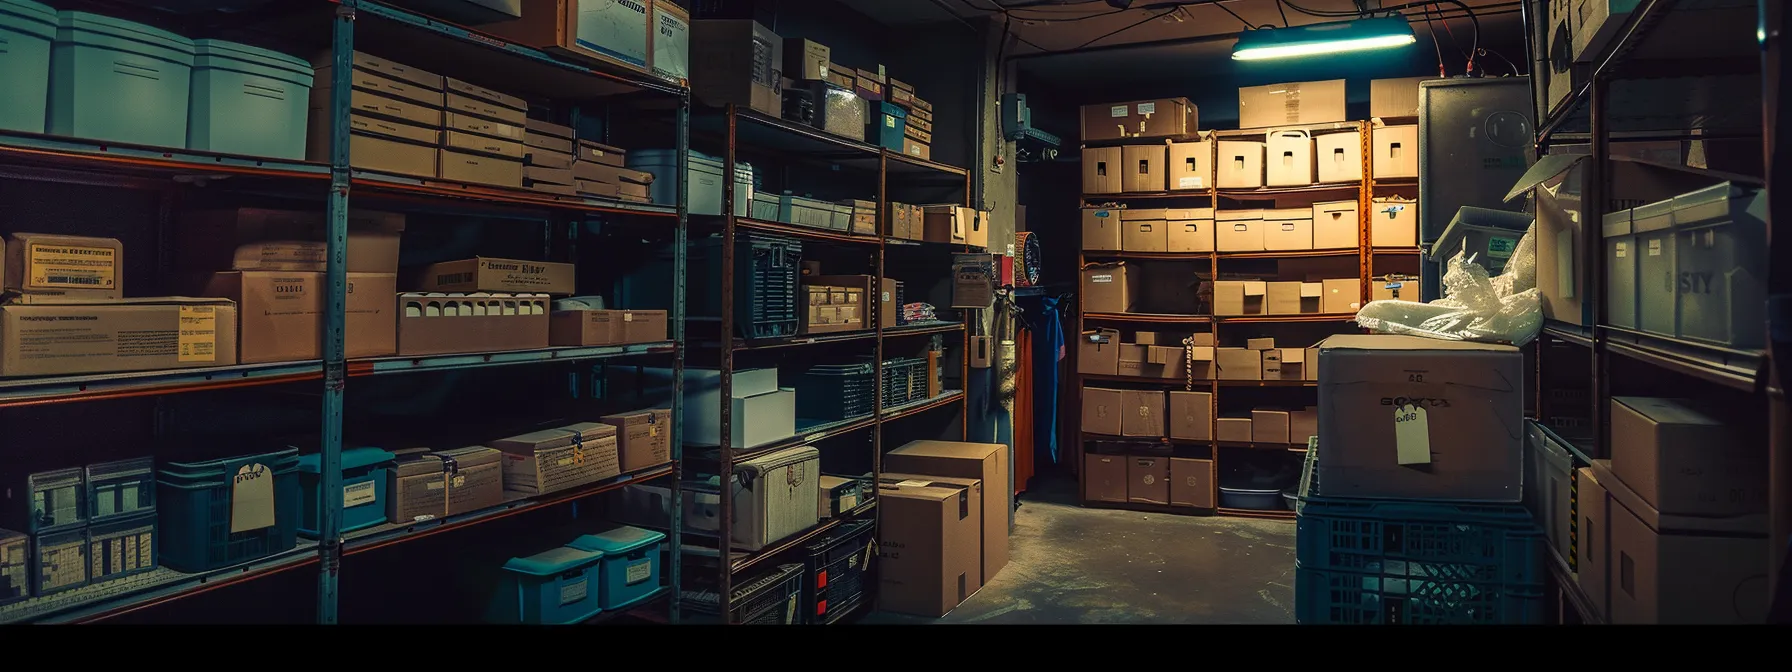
(917, 134)
(395, 120)
(548, 158)
(1263, 297)
(598, 170)
(483, 143)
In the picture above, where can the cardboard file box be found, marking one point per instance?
(1102, 170)
(1396, 152)
(1144, 230)
(1240, 164)
(439, 324)
(1190, 229)
(1101, 229)
(557, 459)
(46, 266)
(1335, 225)
(1190, 165)
(1144, 168)
(1339, 156)
(1160, 118)
(1239, 230)
(643, 438)
(1291, 103)
(489, 274)
(140, 334)
(1288, 229)
(1290, 159)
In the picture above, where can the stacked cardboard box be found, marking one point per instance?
(598, 171)
(480, 304)
(1261, 359)
(917, 134)
(643, 437)
(946, 510)
(589, 327)
(1149, 355)
(396, 117)
(425, 484)
(1264, 297)
(737, 61)
(829, 308)
(548, 158)
(483, 143)
(907, 222)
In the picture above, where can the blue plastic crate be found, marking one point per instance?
(247, 100)
(196, 503)
(553, 587)
(1355, 598)
(363, 489)
(117, 80)
(630, 569)
(26, 31)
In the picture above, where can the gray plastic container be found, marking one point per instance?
(1489, 236)
(1720, 240)
(26, 31)
(1654, 228)
(704, 173)
(1620, 270)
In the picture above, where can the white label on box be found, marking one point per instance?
(1655, 247)
(790, 609)
(252, 498)
(639, 570)
(1102, 279)
(1189, 183)
(914, 483)
(572, 592)
(889, 121)
(1412, 435)
(437, 485)
(1117, 111)
(357, 494)
(1148, 108)
(1620, 250)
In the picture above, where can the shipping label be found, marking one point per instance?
(198, 338)
(72, 267)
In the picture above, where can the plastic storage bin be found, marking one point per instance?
(1720, 241)
(831, 392)
(772, 598)
(704, 173)
(363, 489)
(887, 125)
(1487, 236)
(766, 271)
(1620, 270)
(765, 206)
(50, 500)
(58, 561)
(117, 80)
(226, 512)
(122, 488)
(121, 547)
(247, 100)
(15, 566)
(837, 568)
(1655, 282)
(26, 31)
(549, 588)
(630, 569)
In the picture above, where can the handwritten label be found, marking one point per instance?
(572, 592)
(1148, 108)
(357, 494)
(1412, 435)
(252, 498)
(639, 571)
(1117, 111)
(1189, 183)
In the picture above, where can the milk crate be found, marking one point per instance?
(837, 572)
(772, 598)
(207, 524)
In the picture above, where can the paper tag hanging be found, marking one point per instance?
(252, 498)
(1412, 435)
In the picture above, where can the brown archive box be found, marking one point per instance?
(1672, 569)
(1102, 172)
(1160, 118)
(1472, 434)
(1148, 480)
(256, 239)
(443, 324)
(450, 482)
(557, 459)
(280, 314)
(1191, 483)
(1102, 410)
(480, 168)
(1291, 103)
(1143, 230)
(1682, 456)
(466, 123)
(1191, 415)
(986, 462)
(928, 536)
(1142, 413)
(489, 274)
(555, 26)
(606, 327)
(643, 437)
(737, 61)
(1144, 166)
(1104, 477)
(1109, 288)
(605, 155)
(140, 334)
(1098, 352)
(53, 266)
(1102, 229)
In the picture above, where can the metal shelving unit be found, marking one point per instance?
(739, 130)
(328, 187)
(1362, 190)
(1651, 83)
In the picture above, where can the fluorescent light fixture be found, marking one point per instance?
(1323, 38)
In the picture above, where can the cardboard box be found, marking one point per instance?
(490, 274)
(1233, 430)
(986, 462)
(380, 104)
(1302, 424)
(598, 172)
(280, 314)
(609, 31)
(1260, 343)
(1134, 359)
(917, 149)
(1191, 415)
(1142, 413)
(1293, 364)
(448, 324)
(1396, 152)
(1394, 287)
(1191, 483)
(1101, 170)
(138, 334)
(737, 61)
(1666, 577)
(1342, 295)
(460, 123)
(380, 145)
(1339, 156)
(1310, 364)
(585, 327)
(973, 280)
(424, 485)
(600, 154)
(1238, 363)
(1272, 364)
(1312, 295)
(1240, 164)
(643, 437)
(1683, 458)
(71, 267)
(1144, 167)
(473, 143)
(386, 68)
(1109, 288)
(929, 547)
(1101, 229)
(547, 158)
(480, 169)
(842, 77)
(1470, 435)
(1101, 411)
(1268, 426)
(255, 239)
(465, 104)
(534, 142)
(1238, 231)
(1238, 297)
(1593, 537)
(1203, 366)
(1098, 352)
(1335, 225)
(1160, 118)
(1143, 230)
(1104, 477)
(1288, 229)
(947, 223)
(385, 83)
(1289, 160)
(1190, 229)
(1167, 362)
(1148, 480)
(806, 59)
(1282, 298)
(558, 459)
(1291, 103)
(532, 174)
(1394, 98)
(1190, 165)
(1393, 222)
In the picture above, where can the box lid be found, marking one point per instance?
(352, 458)
(1255, 287)
(556, 561)
(1237, 215)
(1312, 290)
(1180, 214)
(578, 432)
(1615, 223)
(417, 464)
(645, 416)
(1289, 213)
(1142, 213)
(455, 459)
(1395, 342)
(959, 449)
(547, 128)
(617, 540)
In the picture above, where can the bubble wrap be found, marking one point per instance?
(1475, 307)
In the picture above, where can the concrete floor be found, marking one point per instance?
(1071, 564)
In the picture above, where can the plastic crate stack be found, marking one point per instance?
(905, 381)
(766, 276)
(78, 526)
(830, 392)
(1409, 561)
(837, 569)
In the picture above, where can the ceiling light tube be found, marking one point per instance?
(1323, 38)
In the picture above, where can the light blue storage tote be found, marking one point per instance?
(363, 489)
(248, 100)
(553, 587)
(630, 570)
(119, 81)
(705, 178)
(26, 31)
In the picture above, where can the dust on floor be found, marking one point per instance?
(1071, 564)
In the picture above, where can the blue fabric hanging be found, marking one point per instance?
(1048, 355)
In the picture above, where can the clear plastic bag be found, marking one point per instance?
(1475, 307)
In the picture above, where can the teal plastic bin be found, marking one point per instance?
(363, 489)
(226, 512)
(248, 100)
(555, 587)
(630, 569)
(119, 81)
(887, 126)
(26, 31)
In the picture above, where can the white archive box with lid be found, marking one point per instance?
(774, 496)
